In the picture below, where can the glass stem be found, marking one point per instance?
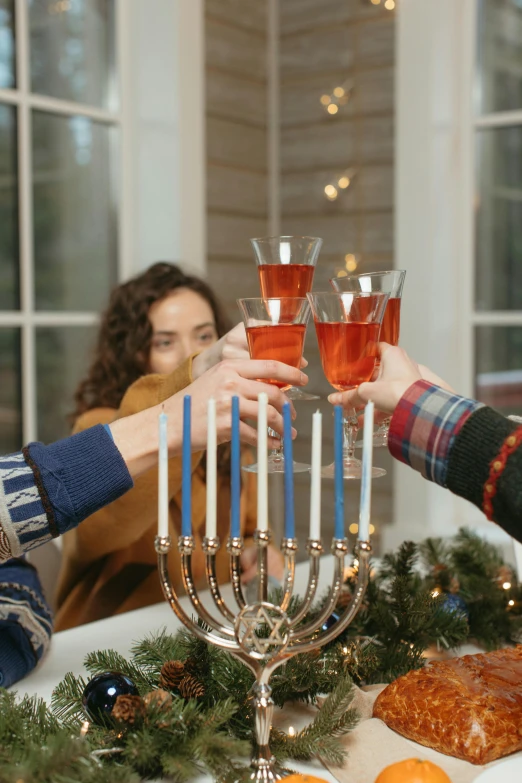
(350, 429)
(384, 426)
(276, 455)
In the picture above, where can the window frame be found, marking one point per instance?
(26, 318)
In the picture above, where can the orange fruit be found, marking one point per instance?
(303, 779)
(413, 771)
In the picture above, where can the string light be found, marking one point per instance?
(511, 603)
(339, 92)
(507, 585)
(435, 593)
(342, 273)
(325, 100)
(353, 527)
(339, 96)
(332, 108)
(372, 529)
(85, 728)
(331, 192)
(291, 731)
(344, 182)
(389, 5)
(375, 2)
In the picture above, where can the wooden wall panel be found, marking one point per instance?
(236, 190)
(235, 98)
(235, 144)
(314, 51)
(229, 235)
(302, 192)
(236, 50)
(250, 14)
(310, 146)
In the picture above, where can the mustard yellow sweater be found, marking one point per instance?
(109, 564)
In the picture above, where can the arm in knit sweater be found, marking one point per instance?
(465, 446)
(45, 491)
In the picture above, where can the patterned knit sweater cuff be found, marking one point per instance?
(77, 476)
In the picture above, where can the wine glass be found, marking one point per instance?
(392, 283)
(286, 267)
(276, 329)
(348, 326)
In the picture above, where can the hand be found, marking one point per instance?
(397, 372)
(248, 560)
(223, 381)
(233, 345)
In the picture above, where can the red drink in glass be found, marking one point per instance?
(348, 351)
(282, 342)
(280, 280)
(391, 322)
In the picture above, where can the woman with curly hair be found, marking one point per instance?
(153, 326)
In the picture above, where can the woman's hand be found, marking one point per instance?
(248, 560)
(240, 378)
(397, 373)
(233, 345)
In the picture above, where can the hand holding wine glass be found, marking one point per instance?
(348, 327)
(276, 329)
(397, 372)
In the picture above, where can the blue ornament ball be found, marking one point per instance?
(100, 694)
(455, 604)
(330, 621)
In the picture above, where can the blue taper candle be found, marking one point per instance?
(235, 473)
(186, 478)
(289, 472)
(339, 472)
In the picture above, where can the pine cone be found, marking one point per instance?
(191, 666)
(128, 709)
(191, 688)
(171, 674)
(159, 699)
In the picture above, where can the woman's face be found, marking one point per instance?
(182, 324)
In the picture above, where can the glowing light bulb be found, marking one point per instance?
(353, 528)
(372, 527)
(291, 731)
(511, 603)
(351, 266)
(332, 109)
(345, 650)
(435, 593)
(507, 585)
(331, 192)
(344, 182)
(325, 100)
(376, 2)
(339, 92)
(341, 273)
(389, 5)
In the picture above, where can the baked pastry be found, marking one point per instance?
(469, 707)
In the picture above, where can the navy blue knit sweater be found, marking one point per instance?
(45, 491)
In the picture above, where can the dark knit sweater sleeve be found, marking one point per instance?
(47, 490)
(465, 446)
(25, 621)
(485, 467)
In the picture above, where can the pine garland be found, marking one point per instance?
(161, 733)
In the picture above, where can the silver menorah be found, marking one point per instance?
(261, 634)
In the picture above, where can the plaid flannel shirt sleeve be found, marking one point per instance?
(424, 427)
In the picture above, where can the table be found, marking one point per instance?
(69, 648)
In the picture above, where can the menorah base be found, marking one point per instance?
(266, 768)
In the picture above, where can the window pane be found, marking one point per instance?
(498, 357)
(500, 55)
(75, 224)
(499, 219)
(10, 391)
(72, 50)
(8, 210)
(7, 49)
(62, 357)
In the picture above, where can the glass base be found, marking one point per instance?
(352, 470)
(278, 466)
(380, 441)
(295, 393)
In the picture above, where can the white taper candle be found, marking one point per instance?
(366, 481)
(262, 462)
(163, 477)
(211, 525)
(315, 487)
